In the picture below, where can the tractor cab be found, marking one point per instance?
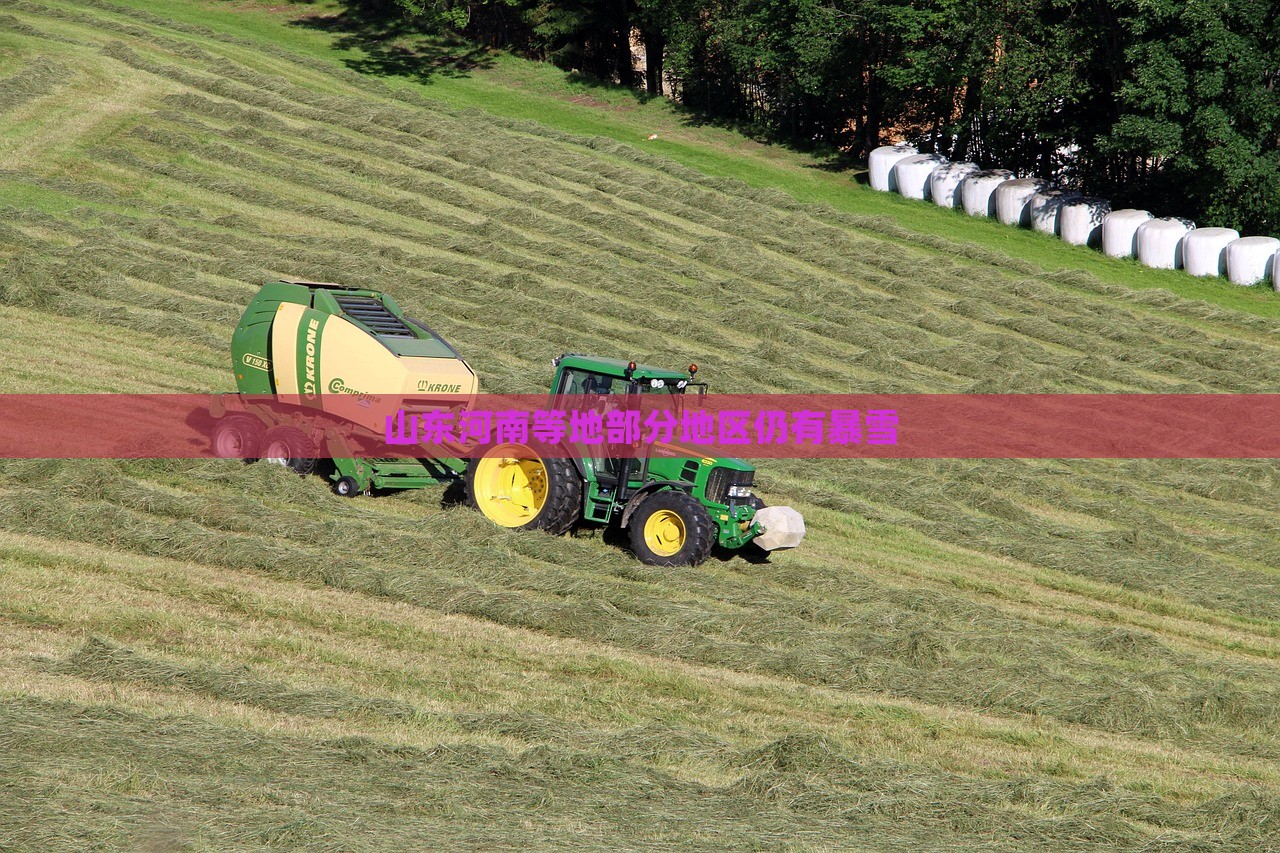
(617, 483)
(580, 374)
(606, 386)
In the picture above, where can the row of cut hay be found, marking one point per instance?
(100, 659)
(38, 79)
(885, 663)
(709, 583)
(613, 246)
(1137, 558)
(800, 785)
(477, 795)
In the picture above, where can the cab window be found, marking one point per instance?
(585, 382)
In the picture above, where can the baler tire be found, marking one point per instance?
(697, 530)
(300, 452)
(346, 487)
(237, 436)
(561, 505)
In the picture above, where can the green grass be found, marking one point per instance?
(963, 654)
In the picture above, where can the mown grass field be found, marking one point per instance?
(964, 654)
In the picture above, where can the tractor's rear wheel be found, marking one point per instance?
(671, 528)
(290, 447)
(515, 485)
(237, 436)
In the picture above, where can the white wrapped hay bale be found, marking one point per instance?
(1013, 200)
(1080, 221)
(912, 174)
(1250, 259)
(783, 528)
(1046, 209)
(1159, 242)
(1275, 272)
(977, 191)
(1119, 229)
(881, 162)
(1204, 250)
(944, 183)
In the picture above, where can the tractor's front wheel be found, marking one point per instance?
(671, 528)
(515, 485)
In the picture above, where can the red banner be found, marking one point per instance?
(973, 426)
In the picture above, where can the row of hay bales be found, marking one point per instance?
(1160, 243)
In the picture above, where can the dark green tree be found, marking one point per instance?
(1197, 112)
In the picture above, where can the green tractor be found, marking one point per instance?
(348, 348)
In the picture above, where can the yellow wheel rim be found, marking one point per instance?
(509, 490)
(664, 533)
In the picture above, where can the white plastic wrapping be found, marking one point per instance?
(1159, 242)
(783, 528)
(944, 183)
(1251, 259)
(1080, 221)
(977, 191)
(912, 174)
(1013, 200)
(1204, 250)
(1046, 209)
(1119, 232)
(881, 162)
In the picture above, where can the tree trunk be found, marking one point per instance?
(655, 45)
(626, 75)
(972, 103)
(875, 117)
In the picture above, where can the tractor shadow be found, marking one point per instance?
(751, 553)
(615, 537)
(455, 494)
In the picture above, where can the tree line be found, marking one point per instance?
(1169, 105)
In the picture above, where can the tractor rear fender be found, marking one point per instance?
(648, 489)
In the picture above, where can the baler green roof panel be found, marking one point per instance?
(388, 327)
(372, 313)
(381, 317)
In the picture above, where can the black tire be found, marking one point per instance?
(699, 533)
(290, 447)
(346, 487)
(237, 436)
(562, 505)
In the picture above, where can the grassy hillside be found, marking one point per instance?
(963, 654)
